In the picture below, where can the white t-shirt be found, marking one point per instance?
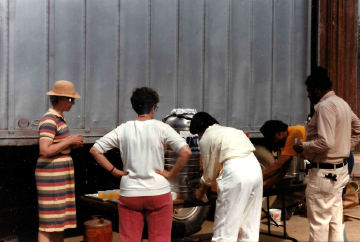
(142, 147)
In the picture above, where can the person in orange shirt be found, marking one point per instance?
(279, 135)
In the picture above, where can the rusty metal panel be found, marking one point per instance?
(4, 35)
(216, 59)
(134, 52)
(337, 47)
(102, 64)
(28, 61)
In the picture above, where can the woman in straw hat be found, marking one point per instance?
(54, 169)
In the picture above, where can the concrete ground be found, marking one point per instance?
(297, 227)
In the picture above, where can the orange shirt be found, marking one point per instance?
(297, 131)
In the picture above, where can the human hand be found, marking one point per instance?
(199, 195)
(165, 174)
(76, 140)
(298, 147)
(118, 173)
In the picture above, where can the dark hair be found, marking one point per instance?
(201, 121)
(143, 99)
(319, 79)
(54, 100)
(270, 128)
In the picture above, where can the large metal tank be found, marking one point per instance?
(185, 183)
(188, 179)
(186, 221)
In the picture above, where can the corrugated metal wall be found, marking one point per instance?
(243, 61)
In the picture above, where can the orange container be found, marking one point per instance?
(98, 230)
(106, 195)
(117, 193)
(101, 194)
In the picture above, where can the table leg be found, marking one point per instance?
(283, 213)
(269, 218)
(268, 212)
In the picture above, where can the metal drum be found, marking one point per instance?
(187, 181)
(179, 123)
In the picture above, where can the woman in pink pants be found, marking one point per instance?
(144, 187)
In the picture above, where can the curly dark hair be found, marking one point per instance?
(270, 128)
(319, 79)
(143, 99)
(201, 121)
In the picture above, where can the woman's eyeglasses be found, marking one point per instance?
(71, 99)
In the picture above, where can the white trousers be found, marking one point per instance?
(324, 203)
(238, 206)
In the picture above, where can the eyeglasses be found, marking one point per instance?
(156, 107)
(71, 99)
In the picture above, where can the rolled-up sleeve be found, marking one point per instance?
(172, 138)
(355, 130)
(108, 142)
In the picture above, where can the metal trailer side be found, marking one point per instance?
(243, 61)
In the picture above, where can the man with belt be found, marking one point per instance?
(331, 133)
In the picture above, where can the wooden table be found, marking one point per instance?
(111, 206)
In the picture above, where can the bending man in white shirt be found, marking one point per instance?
(240, 184)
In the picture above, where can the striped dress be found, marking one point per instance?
(55, 178)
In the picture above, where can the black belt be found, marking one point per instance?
(326, 165)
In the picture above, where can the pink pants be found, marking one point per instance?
(157, 210)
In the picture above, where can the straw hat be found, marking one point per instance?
(64, 88)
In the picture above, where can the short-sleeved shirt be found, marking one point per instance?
(55, 178)
(142, 147)
(294, 132)
(53, 127)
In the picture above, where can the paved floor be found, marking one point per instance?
(297, 227)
